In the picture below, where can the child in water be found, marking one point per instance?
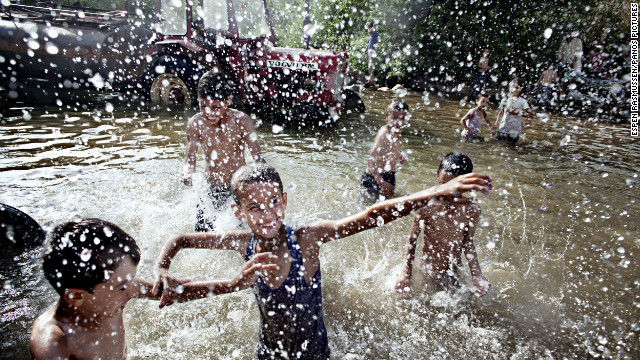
(447, 229)
(472, 122)
(223, 133)
(289, 297)
(92, 264)
(380, 177)
(512, 109)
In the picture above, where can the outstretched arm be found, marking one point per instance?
(184, 291)
(230, 240)
(403, 285)
(386, 211)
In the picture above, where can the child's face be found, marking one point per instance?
(214, 110)
(109, 298)
(482, 102)
(397, 119)
(262, 206)
(515, 89)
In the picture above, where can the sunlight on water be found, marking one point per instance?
(556, 238)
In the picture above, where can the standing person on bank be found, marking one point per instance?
(372, 53)
(481, 75)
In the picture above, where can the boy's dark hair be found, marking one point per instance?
(398, 105)
(78, 254)
(456, 164)
(370, 24)
(252, 173)
(215, 85)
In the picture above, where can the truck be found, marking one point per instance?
(159, 59)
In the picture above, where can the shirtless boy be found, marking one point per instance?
(447, 230)
(289, 297)
(546, 83)
(222, 133)
(92, 264)
(380, 177)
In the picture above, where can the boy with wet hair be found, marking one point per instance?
(379, 180)
(290, 296)
(92, 265)
(223, 133)
(447, 229)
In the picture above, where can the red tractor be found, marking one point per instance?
(236, 37)
(164, 63)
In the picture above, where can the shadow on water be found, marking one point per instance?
(556, 237)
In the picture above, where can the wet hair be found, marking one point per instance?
(398, 105)
(456, 164)
(79, 254)
(252, 173)
(215, 85)
(370, 24)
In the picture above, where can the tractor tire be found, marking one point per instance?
(352, 102)
(172, 81)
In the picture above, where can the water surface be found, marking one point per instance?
(557, 236)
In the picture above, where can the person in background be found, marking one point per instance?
(372, 54)
(472, 122)
(223, 133)
(512, 109)
(546, 84)
(481, 75)
(379, 179)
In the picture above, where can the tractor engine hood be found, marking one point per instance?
(305, 60)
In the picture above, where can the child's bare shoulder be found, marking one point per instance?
(48, 339)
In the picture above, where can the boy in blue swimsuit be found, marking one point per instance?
(290, 296)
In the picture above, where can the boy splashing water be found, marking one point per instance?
(222, 133)
(290, 296)
(447, 229)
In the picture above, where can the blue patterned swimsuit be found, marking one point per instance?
(291, 321)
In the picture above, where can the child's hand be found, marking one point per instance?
(482, 285)
(403, 287)
(167, 285)
(464, 183)
(187, 172)
(252, 269)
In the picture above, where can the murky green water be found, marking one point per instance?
(558, 235)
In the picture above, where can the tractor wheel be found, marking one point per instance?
(171, 81)
(352, 102)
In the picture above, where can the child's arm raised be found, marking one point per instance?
(386, 211)
(481, 283)
(249, 273)
(403, 285)
(230, 240)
